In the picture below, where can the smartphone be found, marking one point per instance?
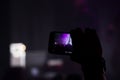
(60, 43)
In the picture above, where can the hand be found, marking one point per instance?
(87, 51)
(86, 46)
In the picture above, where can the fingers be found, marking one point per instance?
(92, 42)
(77, 43)
(76, 33)
(85, 44)
(77, 38)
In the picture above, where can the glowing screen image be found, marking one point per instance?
(63, 39)
(63, 42)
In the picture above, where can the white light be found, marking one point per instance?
(55, 62)
(17, 49)
(35, 72)
(17, 55)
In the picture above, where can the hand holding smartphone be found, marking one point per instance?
(83, 47)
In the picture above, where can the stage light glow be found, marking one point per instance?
(17, 55)
(55, 62)
(35, 72)
(17, 49)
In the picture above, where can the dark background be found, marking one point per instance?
(30, 22)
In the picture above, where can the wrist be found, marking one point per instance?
(94, 70)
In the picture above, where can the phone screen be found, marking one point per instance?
(62, 43)
(63, 39)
